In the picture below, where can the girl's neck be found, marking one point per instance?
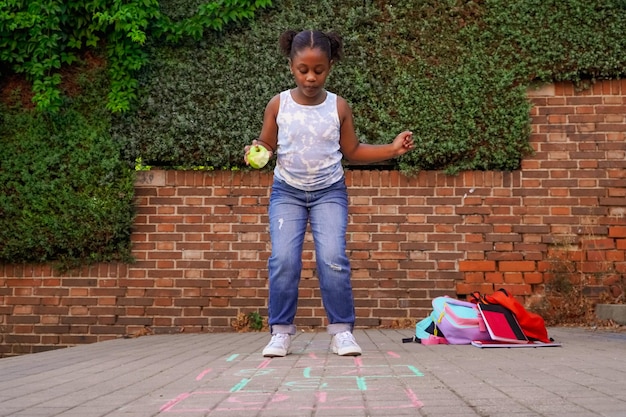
(304, 100)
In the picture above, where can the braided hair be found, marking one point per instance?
(292, 42)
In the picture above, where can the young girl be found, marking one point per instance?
(311, 129)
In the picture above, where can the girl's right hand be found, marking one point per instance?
(246, 150)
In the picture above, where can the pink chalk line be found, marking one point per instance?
(170, 404)
(358, 362)
(264, 364)
(202, 374)
(414, 400)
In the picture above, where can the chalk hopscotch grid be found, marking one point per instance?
(333, 387)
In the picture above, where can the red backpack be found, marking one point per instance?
(532, 324)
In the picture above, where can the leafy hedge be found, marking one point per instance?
(65, 194)
(455, 72)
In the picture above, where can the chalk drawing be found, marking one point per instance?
(415, 371)
(204, 402)
(175, 401)
(264, 364)
(361, 384)
(321, 396)
(310, 384)
(332, 386)
(254, 372)
(240, 385)
(256, 400)
(202, 374)
(358, 361)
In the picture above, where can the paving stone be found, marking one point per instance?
(205, 375)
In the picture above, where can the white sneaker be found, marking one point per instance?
(344, 345)
(278, 346)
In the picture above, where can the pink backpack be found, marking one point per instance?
(459, 321)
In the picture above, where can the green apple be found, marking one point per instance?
(258, 156)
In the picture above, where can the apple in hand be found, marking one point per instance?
(258, 156)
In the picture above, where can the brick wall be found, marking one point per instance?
(201, 240)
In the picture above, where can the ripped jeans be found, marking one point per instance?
(290, 210)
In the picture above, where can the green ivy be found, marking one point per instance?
(37, 37)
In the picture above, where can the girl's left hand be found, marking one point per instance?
(404, 142)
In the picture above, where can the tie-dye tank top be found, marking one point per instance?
(308, 155)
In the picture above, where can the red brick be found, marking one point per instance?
(472, 266)
(518, 289)
(533, 278)
(617, 231)
(516, 266)
(465, 289)
(494, 277)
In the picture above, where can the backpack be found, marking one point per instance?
(459, 321)
(532, 324)
(427, 333)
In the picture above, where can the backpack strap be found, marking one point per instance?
(477, 298)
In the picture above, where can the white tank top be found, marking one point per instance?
(308, 155)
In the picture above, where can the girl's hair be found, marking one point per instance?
(292, 42)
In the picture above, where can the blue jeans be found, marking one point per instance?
(290, 210)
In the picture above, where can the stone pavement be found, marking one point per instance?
(193, 375)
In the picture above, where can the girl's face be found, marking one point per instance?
(310, 67)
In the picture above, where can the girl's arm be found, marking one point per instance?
(269, 132)
(357, 152)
